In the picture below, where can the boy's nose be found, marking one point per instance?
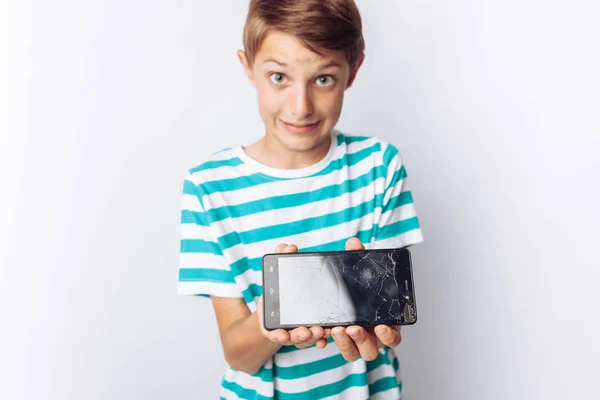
(301, 104)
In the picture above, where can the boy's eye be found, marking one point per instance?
(325, 80)
(277, 78)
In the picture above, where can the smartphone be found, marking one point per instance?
(338, 288)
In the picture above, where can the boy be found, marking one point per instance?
(303, 185)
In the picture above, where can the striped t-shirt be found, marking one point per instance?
(234, 210)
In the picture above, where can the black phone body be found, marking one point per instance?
(338, 288)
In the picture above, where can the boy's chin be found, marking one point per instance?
(302, 144)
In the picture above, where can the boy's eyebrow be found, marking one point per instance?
(275, 61)
(331, 64)
(328, 65)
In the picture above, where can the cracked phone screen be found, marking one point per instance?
(347, 288)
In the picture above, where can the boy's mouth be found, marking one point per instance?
(300, 128)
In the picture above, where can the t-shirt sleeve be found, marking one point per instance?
(202, 268)
(398, 225)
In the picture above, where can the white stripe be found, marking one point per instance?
(398, 187)
(202, 260)
(390, 394)
(302, 240)
(190, 202)
(352, 393)
(406, 239)
(381, 372)
(397, 214)
(249, 276)
(313, 209)
(320, 379)
(249, 382)
(306, 355)
(228, 394)
(193, 231)
(283, 187)
(210, 288)
(223, 172)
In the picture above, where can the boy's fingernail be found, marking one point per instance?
(382, 330)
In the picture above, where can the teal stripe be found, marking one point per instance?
(193, 217)
(383, 384)
(332, 389)
(242, 392)
(402, 199)
(298, 227)
(264, 374)
(396, 364)
(397, 228)
(213, 164)
(237, 183)
(351, 139)
(397, 177)
(295, 199)
(255, 264)
(311, 368)
(388, 155)
(348, 160)
(189, 188)
(243, 182)
(252, 291)
(381, 359)
(363, 236)
(199, 246)
(205, 274)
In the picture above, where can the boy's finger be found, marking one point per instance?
(292, 248)
(365, 342)
(280, 247)
(317, 331)
(317, 336)
(279, 336)
(308, 343)
(345, 344)
(354, 244)
(388, 336)
(327, 333)
(321, 343)
(300, 335)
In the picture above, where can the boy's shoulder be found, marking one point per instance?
(376, 142)
(207, 166)
(225, 162)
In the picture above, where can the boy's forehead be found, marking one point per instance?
(287, 50)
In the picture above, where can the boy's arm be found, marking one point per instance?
(247, 345)
(244, 346)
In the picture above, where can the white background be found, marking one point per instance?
(105, 104)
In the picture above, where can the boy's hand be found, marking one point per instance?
(355, 341)
(300, 337)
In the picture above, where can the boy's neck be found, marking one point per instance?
(272, 153)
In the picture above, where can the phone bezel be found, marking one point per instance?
(267, 320)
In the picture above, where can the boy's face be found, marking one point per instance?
(300, 93)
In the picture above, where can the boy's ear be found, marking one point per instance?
(354, 71)
(247, 68)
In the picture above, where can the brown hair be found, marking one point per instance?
(319, 25)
